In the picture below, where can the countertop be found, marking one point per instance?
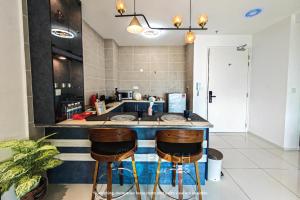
(147, 122)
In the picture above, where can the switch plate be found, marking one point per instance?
(57, 92)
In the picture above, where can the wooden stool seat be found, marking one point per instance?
(179, 147)
(112, 145)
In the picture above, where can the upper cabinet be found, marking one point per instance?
(55, 35)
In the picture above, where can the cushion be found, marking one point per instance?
(112, 148)
(180, 149)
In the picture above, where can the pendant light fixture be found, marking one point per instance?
(135, 26)
(190, 36)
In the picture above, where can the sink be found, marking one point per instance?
(173, 118)
(123, 118)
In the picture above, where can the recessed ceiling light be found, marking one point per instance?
(151, 33)
(61, 57)
(61, 33)
(253, 12)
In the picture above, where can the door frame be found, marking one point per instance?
(248, 83)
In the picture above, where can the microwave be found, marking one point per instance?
(126, 94)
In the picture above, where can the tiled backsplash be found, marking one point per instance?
(111, 52)
(93, 62)
(155, 70)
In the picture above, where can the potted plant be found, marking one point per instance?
(27, 167)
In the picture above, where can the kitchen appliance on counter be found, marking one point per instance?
(176, 102)
(125, 94)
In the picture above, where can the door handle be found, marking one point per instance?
(210, 96)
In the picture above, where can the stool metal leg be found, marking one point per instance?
(121, 177)
(198, 180)
(136, 181)
(109, 181)
(156, 179)
(174, 174)
(95, 179)
(180, 184)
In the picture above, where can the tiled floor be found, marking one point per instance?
(253, 170)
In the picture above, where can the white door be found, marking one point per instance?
(228, 85)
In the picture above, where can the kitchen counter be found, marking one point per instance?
(73, 143)
(151, 122)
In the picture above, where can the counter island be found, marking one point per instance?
(73, 143)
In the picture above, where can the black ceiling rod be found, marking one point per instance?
(161, 28)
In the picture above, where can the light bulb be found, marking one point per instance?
(177, 21)
(135, 26)
(120, 6)
(202, 20)
(190, 37)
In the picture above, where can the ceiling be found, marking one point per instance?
(225, 16)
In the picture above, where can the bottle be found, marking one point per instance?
(79, 108)
(72, 112)
(117, 94)
(150, 110)
(68, 111)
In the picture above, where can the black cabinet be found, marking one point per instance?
(55, 36)
(142, 106)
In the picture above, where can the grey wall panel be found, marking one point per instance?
(41, 61)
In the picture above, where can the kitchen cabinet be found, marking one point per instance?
(142, 106)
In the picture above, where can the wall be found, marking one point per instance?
(111, 52)
(200, 76)
(155, 70)
(189, 66)
(292, 114)
(93, 62)
(269, 82)
(13, 101)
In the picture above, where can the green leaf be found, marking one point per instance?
(45, 155)
(8, 144)
(26, 184)
(50, 164)
(12, 174)
(47, 147)
(44, 138)
(20, 156)
(4, 187)
(25, 146)
(5, 165)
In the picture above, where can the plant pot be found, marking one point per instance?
(9, 195)
(39, 192)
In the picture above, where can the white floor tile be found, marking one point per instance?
(228, 134)
(260, 186)
(69, 192)
(240, 142)
(262, 143)
(265, 159)
(218, 142)
(232, 158)
(84, 192)
(225, 189)
(292, 157)
(289, 178)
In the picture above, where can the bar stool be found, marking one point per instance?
(179, 147)
(112, 145)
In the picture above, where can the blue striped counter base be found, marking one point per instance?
(78, 165)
